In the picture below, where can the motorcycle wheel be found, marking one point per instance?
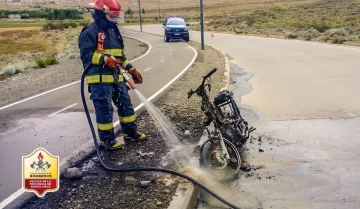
(222, 171)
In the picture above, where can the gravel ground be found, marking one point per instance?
(35, 81)
(103, 189)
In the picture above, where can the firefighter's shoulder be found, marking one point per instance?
(88, 28)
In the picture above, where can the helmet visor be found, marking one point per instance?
(113, 18)
(114, 14)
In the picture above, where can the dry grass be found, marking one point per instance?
(16, 46)
(18, 67)
(19, 28)
(339, 21)
(309, 20)
(25, 41)
(29, 44)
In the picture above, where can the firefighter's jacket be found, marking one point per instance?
(97, 39)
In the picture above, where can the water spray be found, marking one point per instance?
(136, 169)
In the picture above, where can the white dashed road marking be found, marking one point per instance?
(63, 109)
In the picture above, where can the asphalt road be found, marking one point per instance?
(56, 121)
(303, 99)
(292, 79)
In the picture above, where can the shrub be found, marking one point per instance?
(249, 20)
(59, 26)
(238, 31)
(336, 31)
(8, 71)
(27, 65)
(40, 62)
(291, 35)
(310, 34)
(324, 38)
(51, 61)
(243, 25)
(19, 67)
(320, 26)
(338, 40)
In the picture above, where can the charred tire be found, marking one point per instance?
(233, 167)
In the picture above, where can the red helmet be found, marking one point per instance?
(111, 7)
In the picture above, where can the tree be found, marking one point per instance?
(129, 12)
(143, 11)
(3, 15)
(50, 16)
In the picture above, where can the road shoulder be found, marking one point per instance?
(102, 189)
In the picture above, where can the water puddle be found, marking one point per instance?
(239, 81)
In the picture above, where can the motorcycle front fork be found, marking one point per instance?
(216, 133)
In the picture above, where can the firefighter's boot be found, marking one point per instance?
(111, 144)
(138, 136)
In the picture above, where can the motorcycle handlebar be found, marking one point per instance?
(191, 92)
(209, 74)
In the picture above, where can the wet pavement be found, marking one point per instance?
(304, 95)
(312, 163)
(33, 123)
(293, 79)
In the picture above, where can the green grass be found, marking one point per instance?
(43, 62)
(21, 23)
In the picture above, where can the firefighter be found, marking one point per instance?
(102, 49)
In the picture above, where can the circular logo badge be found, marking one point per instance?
(103, 37)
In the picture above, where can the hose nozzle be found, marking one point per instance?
(128, 80)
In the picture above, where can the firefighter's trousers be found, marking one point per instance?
(102, 96)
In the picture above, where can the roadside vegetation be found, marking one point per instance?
(329, 21)
(50, 14)
(24, 48)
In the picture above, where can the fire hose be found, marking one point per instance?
(137, 169)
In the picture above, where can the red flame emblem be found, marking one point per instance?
(40, 156)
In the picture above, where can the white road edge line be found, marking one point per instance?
(162, 60)
(19, 192)
(63, 109)
(148, 69)
(61, 87)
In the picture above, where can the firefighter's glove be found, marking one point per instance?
(136, 76)
(111, 61)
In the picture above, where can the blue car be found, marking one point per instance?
(176, 28)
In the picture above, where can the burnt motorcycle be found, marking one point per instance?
(220, 152)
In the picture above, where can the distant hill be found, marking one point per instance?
(149, 4)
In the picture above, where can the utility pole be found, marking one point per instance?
(159, 12)
(140, 16)
(202, 23)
